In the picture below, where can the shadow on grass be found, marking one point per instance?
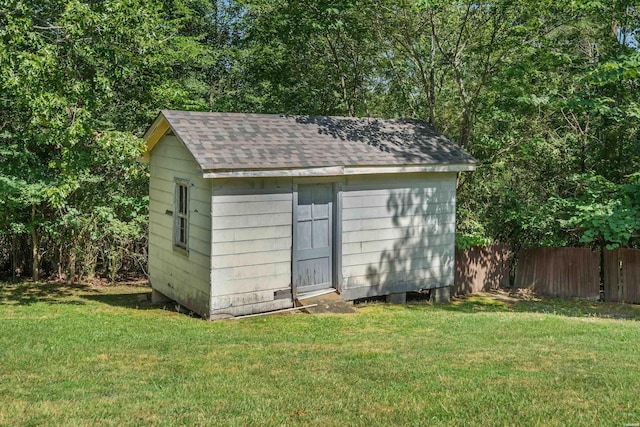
(28, 293)
(464, 305)
(579, 308)
(138, 300)
(544, 305)
(126, 295)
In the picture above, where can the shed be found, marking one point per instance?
(248, 211)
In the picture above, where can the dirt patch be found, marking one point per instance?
(506, 297)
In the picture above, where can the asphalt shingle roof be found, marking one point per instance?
(234, 141)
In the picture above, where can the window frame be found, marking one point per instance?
(181, 215)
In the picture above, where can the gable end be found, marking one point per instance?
(156, 131)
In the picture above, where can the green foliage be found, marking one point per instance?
(303, 57)
(540, 92)
(605, 213)
(470, 231)
(79, 80)
(562, 105)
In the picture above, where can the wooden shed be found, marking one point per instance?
(249, 211)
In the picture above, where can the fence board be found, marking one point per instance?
(622, 275)
(481, 268)
(561, 272)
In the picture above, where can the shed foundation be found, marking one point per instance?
(159, 298)
(441, 295)
(397, 298)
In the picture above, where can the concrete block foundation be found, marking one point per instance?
(441, 295)
(159, 298)
(397, 298)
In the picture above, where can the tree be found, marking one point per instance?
(79, 80)
(604, 213)
(565, 105)
(545, 94)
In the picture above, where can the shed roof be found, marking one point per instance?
(235, 144)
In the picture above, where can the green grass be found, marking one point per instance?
(76, 355)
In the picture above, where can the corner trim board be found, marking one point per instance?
(337, 237)
(294, 243)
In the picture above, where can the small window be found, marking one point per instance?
(181, 230)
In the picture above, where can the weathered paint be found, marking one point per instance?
(398, 233)
(313, 237)
(181, 276)
(391, 234)
(251, 249)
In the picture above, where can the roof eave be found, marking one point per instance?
(156, 131)
(337, 170)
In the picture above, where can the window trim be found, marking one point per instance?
(181, 216)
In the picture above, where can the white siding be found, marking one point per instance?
(398, 233)
(251, 249)
(183, 277)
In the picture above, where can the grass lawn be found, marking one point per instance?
(81, 355)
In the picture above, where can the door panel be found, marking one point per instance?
(312, 257)
(304, 234)
(321, 233)
(314, 274)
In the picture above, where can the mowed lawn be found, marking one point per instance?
(81, 355)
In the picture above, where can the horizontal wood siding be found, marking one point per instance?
(251, 248)
(182, 277)
(398, 233)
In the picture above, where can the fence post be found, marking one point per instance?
(619, 264)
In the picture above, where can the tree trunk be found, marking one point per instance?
(432, 83)
(465, 128)
(14, 257)
(35, 247)
(72, 265)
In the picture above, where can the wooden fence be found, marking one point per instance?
(621, 271)
(481, 268)
(561, 272)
